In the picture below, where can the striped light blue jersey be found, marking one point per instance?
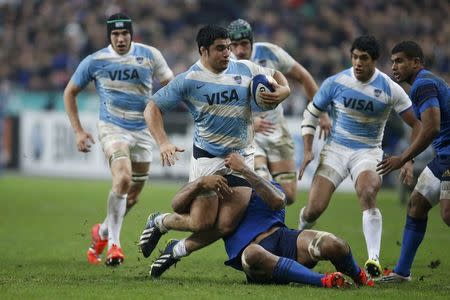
(123, 82)
(219, 103)
(274, 57)
(360, 110)
(428, 90)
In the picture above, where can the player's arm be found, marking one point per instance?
(83, 138)
(282, 90)
(153, 118)
(272, 196)
(302, 76)
(205, 185)
(429, 128)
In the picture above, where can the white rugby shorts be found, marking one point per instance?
(140, 142)
(275, 147)
(429, 186)
(337, 162)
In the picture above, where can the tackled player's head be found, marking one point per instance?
(119, 29)
(241, 36)
(407, 59)
(214, 47)
(364, 53)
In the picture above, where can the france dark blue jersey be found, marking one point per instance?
(427, 91)
(258, 219)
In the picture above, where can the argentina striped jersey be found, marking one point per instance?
(274, 57)
(123, 82)
(360, 110)
(220, 104)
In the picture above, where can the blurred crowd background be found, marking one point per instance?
(42, 41)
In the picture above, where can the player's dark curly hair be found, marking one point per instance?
(411, 50)
(208, 34)
(367, 43)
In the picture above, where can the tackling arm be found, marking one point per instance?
(271, 195)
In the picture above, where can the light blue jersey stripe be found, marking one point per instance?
(360, 110)
(123, 82)
(219, 104)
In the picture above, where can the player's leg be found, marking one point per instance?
(274, 259)
(284, 172)
(331, 171)
(139, 176)
(445, 194)
(230, 212)
(279, 151)
(367, 184)
(313, 246)
(318, 199)
(423, 198)
(120, 165)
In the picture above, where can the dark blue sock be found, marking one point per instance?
(412, 237)
(288, 270)
(347, 265)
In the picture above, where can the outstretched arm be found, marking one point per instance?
(422, 136)
(266, 190)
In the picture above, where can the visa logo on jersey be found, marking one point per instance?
(358, 104)
(222, 97)
(124, 74)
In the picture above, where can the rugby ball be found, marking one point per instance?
(261, 83)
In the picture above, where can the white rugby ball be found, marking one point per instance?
(261, 83)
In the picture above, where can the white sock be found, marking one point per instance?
(116, 211)
(103, 231)
(302, 224)
(372, 228)
(159, 223)
(179, 250)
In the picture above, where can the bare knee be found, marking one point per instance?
(331, 247)
(418, 206)
(122, 182)
(252, 257)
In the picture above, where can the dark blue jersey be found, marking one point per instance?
(258, 218)
(427, 91)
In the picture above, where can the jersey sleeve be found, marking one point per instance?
(162, 70)
(425, 95)
(401, 99)
(286, 62)
(82, 75)
(168, 97)
(324, 95)
(256, 69)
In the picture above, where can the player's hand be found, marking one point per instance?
(307, 158)
(407, 173)
(325, 126)
(389, 164)
(84, 141)
(260, 124)
(169, 154)
(235, 162)
(217, 184)
(276, 97)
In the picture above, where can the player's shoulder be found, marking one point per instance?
(100, 54)
(265, 45)
(423, 78)
(144, 48)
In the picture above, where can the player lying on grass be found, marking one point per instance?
(261, 246)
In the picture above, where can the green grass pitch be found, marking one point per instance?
(44, 235)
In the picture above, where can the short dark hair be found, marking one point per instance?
(411, 50)
(367, 43)
(208, 34)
